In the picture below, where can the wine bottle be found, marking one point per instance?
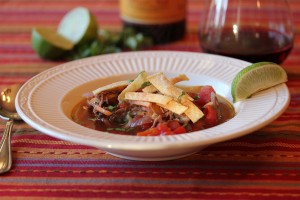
(162, 20)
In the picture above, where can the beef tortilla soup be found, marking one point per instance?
(152, 105)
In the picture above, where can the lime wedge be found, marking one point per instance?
(48, 44)
(78, 25)
(256, 77)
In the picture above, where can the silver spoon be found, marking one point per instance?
(7, 112)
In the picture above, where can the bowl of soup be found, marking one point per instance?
(97, 102)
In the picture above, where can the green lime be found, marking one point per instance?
(78, 25)
(48, 44)
(256, 77)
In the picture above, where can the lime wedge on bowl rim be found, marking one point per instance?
(78, 25)
(256, 77)
(48, 44)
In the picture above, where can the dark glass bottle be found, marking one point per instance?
(163, 20)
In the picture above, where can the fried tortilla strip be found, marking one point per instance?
(150, 97)
(175, 107)
(141, 103)
(176, 79)
(193, 112)
(149, 89)
(192, 89)
(111, 86)
(102, 110)
(165, 86)
(134, 85)
(179, 78)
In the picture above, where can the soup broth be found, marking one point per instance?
(84, 115)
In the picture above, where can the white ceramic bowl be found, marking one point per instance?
(45, 101)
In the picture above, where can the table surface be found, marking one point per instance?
(262, 165)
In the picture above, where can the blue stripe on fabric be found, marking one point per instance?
(149, 182)
(187, 165)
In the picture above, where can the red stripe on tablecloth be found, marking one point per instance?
(261, 165)
(139, 192)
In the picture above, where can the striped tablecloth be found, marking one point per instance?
(261, 165)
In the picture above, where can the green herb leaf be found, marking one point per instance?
(196, 97)
(145, 84)
(120, 129)
(92, 119)
(181, 95)
(111, 108)
(109, 42)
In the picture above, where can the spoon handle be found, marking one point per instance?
(5, 148)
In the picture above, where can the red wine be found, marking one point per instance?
(253, 45)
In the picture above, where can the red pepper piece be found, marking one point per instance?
(173, 124)
(163, 128)
(211, 116)
(204, 96)
(149, 132)
(179, 130)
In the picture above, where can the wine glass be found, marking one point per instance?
(254, 30)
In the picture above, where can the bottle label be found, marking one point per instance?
(153, 11)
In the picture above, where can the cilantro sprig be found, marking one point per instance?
(109, 42)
